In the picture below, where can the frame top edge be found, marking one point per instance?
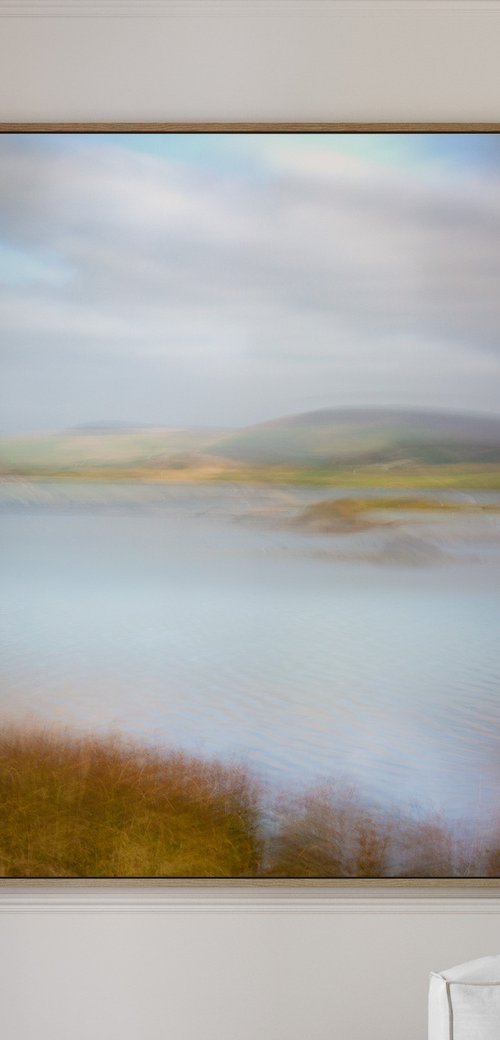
(248, 127)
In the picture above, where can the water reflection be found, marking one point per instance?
(206, 617)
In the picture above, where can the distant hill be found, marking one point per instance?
(330, 439)
(358, 436)
(93, 429)
(96, 445)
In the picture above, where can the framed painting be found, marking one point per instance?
(250, 503)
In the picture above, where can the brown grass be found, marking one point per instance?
(348, 514)
(331, 833)
(100, 808)
(328, 833)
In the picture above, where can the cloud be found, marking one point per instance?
(315, 269)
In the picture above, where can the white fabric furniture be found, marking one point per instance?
(464, 1002)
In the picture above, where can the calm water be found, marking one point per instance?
(203, 618)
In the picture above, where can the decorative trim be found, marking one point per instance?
(234, 8)
(247, 902)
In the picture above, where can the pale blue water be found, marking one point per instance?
(199, 617)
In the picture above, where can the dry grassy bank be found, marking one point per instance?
(100, 807)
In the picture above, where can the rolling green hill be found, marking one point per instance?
(365, 437)
(326, 446)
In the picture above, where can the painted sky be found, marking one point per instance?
(226, 280)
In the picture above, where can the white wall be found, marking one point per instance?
(263, 59)
(226, 966)
(240, 964)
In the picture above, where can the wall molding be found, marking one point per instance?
(310, 9)
(187, 901)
